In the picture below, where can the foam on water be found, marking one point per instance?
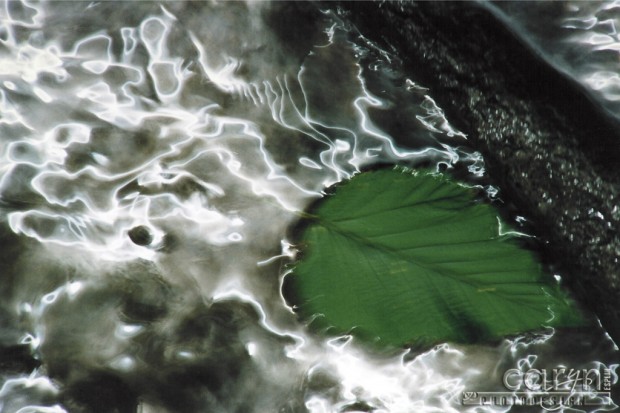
(153, 156)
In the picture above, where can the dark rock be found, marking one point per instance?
(140, 235)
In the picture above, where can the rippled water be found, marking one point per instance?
(579, 38)
(154, 156)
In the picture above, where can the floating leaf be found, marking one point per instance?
(401, 257)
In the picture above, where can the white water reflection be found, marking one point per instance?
(154, 156)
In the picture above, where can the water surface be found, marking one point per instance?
(154, 156)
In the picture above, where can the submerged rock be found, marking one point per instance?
(551, 150)
(140, 235)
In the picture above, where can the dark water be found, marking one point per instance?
(154, 155)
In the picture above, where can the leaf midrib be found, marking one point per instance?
(433, 268)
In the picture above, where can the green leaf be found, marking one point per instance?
(401, 257)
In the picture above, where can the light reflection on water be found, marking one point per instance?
(153, 157)
(579, 38)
